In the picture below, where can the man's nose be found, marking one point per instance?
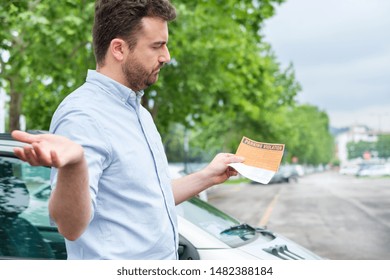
(165, 57)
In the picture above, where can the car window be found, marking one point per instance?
(25, 229)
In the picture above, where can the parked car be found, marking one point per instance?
(285, 174)
(349, 169)
(205, 232)
(374, 170)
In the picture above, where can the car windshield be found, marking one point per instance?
(219, 224)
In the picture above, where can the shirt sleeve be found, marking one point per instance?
(83, 129)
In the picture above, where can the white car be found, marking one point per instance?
(349, 169)
(210, 234)
(205, 232)
(374, 170)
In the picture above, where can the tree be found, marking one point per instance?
(45, 50)
(212, 43)
(357, 149)
(223, 82)
(383, 146)
(216, 61)
(309, 138)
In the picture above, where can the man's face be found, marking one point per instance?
(142, 65)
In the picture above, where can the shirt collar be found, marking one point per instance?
(123, 93)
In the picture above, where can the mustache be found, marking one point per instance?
(161, 65)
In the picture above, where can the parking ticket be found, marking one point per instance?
(262, 160)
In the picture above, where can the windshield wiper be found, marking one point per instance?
(243, 226)
(247, 227)
(265, 231)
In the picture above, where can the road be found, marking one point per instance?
(337, 217)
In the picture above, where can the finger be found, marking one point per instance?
(231, 171)
(225, 157)
(20, 153)
(41, 156)
(24, 136)
(234, 158)
(55, 159)
(30, 155)
(229, 155)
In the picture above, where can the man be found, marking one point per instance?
(112, 197)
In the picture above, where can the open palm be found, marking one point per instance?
(47, 149)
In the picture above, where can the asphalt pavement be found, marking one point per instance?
(336, 216)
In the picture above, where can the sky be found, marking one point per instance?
(340, 50)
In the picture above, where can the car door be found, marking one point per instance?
(25, 229)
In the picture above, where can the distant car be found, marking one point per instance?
(205, 232)
(349, 169)
(285, 174)
(374, 170)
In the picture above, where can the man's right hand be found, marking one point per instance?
(47, 149)
(70, 201)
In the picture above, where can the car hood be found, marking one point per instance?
(267, 246)
(280, 248)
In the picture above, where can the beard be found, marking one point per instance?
(137, 76)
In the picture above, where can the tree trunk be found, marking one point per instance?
(14, 110)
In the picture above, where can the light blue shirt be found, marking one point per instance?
(134, 214)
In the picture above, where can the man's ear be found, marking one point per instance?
(118, 48)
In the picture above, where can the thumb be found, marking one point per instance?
(236, 159)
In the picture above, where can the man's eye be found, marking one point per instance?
(158, 46)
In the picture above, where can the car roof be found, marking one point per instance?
(7, 143)
(5, 136)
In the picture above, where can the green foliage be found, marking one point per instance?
(223, 77)
(357, 149)
(179, 148)
(383, 146)
(309, 139)
(217, 62)
(49, 50)
(223, 82)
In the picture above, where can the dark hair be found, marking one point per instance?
(122, 19)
